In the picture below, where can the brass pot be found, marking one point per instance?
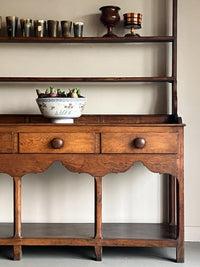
(132, 21)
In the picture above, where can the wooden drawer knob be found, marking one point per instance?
(139, 142)
(57, 143)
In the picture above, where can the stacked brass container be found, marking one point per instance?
(132, 21)
(0, 24)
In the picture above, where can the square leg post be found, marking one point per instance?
(17, 250)
(172, 202)
(98, 217)
(180, 221)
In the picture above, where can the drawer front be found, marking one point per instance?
(6, 145)
(139, 143)
(57, 143)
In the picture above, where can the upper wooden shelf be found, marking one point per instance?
(144, 39)
(87, 79)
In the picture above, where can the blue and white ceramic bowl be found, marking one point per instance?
(61, 110)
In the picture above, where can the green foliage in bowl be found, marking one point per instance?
(52, 92)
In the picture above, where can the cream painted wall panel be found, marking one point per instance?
(101, 99)
(57, 196)
(189, 57)
(83, 59)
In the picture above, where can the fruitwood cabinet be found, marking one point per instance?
(104, 144)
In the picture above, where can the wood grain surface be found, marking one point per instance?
(154, 142)
(41, 142)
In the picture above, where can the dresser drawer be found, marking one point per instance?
(6, 145)
(139, 142)
(57, 143)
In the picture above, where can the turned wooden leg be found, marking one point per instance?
(17, 217)
(172, 203)
(180, 222)
(98, 216)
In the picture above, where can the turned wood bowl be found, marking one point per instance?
(109, 17)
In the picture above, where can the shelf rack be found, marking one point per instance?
(145, 39)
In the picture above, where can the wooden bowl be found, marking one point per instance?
(110, 17)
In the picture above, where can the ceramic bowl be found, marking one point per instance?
(61, 110)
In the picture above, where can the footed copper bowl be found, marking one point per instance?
(132, 21)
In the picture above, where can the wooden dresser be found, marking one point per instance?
(97, 145)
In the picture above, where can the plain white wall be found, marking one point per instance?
(60, 196)
(189, 108)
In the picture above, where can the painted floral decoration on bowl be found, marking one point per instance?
(61, 107)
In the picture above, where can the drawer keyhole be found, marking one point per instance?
(57, 143)
(139, 142)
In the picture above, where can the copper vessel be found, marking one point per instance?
(0, 23)
(132, 21)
